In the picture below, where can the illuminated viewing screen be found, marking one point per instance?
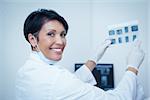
(103, 74)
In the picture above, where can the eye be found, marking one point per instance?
(51, 34)
(63, 34)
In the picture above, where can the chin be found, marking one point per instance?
(57, 58)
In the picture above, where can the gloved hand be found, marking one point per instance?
(136, 56)
(99, 52)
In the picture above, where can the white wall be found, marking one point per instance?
(87, 23)
(0, 53)
(148, 66)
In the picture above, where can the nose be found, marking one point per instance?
(59, 40)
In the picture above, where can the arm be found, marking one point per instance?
(73, 88)
(129, 85)
(90, 65)
(126, 89)
(84, 72)
(135, 71)
(69, 87)
(140, 92)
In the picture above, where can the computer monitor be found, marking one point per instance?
(103, 74)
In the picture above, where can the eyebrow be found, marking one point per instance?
(51, 30)
(64, 31)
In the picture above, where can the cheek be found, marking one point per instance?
(45, 44)
(65, 42)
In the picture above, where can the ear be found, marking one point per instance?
(32, 40)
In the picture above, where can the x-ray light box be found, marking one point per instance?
(103, 74)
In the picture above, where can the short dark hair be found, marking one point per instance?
(38, 18)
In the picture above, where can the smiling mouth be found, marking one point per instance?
(58, 50)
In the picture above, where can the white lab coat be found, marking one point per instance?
(37, 80)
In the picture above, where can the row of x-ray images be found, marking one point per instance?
(123, 33)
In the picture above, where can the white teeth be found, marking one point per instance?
(57, 50)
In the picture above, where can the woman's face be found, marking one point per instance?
(52, 40)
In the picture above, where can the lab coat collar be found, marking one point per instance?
(36, 56)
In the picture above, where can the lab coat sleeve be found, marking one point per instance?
(85, 75)
(74, 89)
(126, 89)
(139, 92)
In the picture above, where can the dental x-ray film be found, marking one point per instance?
(123, 33)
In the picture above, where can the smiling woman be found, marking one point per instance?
(41, 78)
(46, 31)
(51, 40)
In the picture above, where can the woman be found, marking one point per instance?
(42, 79)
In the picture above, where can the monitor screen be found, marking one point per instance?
(103, 74)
